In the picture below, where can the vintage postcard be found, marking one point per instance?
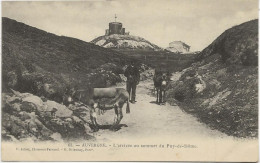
(138, 80)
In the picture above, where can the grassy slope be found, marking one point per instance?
(31, 55)
(173, 62)
(45, 65)
(226, 72)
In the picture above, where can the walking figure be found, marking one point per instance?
(133, 77)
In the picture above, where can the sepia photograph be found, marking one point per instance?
(137, 80)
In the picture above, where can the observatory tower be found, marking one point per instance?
(116, 28)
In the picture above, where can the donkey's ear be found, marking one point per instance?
(73, 91)
(68, 90)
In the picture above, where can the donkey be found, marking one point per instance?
(118, 96)
(160, 84)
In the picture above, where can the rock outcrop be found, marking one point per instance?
(221, 87)
(27, 117)
(178, 47)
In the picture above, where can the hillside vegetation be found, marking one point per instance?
(37, 70)
(171, 61)
(34, 59)
(221, 88)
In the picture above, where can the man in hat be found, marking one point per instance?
(133, 77)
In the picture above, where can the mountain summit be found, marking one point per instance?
(124, 42)
(117, 37)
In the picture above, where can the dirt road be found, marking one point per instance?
(160, 132)
(148, 119)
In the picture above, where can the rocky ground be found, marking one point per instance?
(29, 117)
(221, 87)
(26, 117)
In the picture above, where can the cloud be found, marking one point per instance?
(196, 22)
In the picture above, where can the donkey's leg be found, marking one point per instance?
(96, 109)
(164, 96)
(157, 96)
(160, 95)
(118, 118)
(93, 116)
(120, 113)
(115, 118)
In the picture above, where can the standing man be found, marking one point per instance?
(133, 77)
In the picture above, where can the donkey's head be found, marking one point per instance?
(164, 81)
(68, 97)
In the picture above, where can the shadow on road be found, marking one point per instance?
(153, 102)
(105, 127)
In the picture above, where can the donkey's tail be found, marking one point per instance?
(127, 107)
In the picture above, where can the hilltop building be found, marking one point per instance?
(116, 37)
(116, 28)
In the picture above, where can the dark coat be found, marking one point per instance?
(132, 74)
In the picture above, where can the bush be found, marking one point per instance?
(249, 58)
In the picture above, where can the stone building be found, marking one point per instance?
(116, 28)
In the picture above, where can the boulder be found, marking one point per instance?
(28, 107)
(56, 137)
(83, 112)
(14, 126)
(33, 99)
(62, 110)
(27, 117)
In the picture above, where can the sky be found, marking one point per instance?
(195, 22)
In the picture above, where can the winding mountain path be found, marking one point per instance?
(165, 132)
(148, 119)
